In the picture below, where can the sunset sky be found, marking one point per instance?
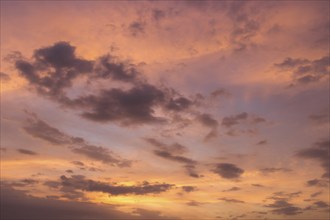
(164, 110)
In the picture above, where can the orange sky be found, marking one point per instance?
(165, 110)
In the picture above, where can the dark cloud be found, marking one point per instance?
(305, 71)
(16, 204)
(174, 153)
(189, 188)
(318, 152)
(257, 185)
(313, 195)
(317, 182)
(194, 203)
(40, 129)
(101, 154)
(321, 204)
(179, 104)
(134, 106)
(53, 68)
(78, 163)
(231, 200)
(219, 92)
(320, 118)
(4, 77)
(263, 142)
(228, 170)
(208, 121)
(109, 67)
(69, 171)
(27, 152)
(79, 182)
(53, 72)
(243, 117)
(158, 14)
(282, 207)
(25, 182)
(137, 28)
(232, 189)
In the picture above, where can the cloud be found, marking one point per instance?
(40, 129)
(243, 117)
(31, 207)
(189, 188)
(320, 118)
(174, 153)
(304, 71)
(27, 152)
(231, 200)
(316, 194)
(317, 182)
(78, 163)
(79, 182)
(219, 92)
(318, 152)
(282, 207)
(232, 189)
(195, 203)
(208, 121)
(25, 182)
(262, 142)
(269, 170)
(4, 77)
(136, 28)
(228, 170)
(257, 185)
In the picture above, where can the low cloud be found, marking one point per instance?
(27, 152)
(231, 200)
(318, 152)
(228, 170)
(305, 71)
(40, 129)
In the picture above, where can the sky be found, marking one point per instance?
(164, 110)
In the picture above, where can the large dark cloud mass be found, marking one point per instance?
(228, 170)
(53, 71)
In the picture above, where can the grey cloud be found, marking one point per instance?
(25, 182)
(46, 208)
(231, 200)
(318, 152)
(189, 188)
(228, 170)
(317, 182)
(53, 71)
(208, 121)
(27, 152)
(219, 92)
(101, 154)
(321, 204)
(263, 142)
(137, 28)
(40, 129)
(232, 189)
(282, 207)
(79, 182)
(233, 120)
(305, 71)
(313, 195)
(78, 163)
(174, 153)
